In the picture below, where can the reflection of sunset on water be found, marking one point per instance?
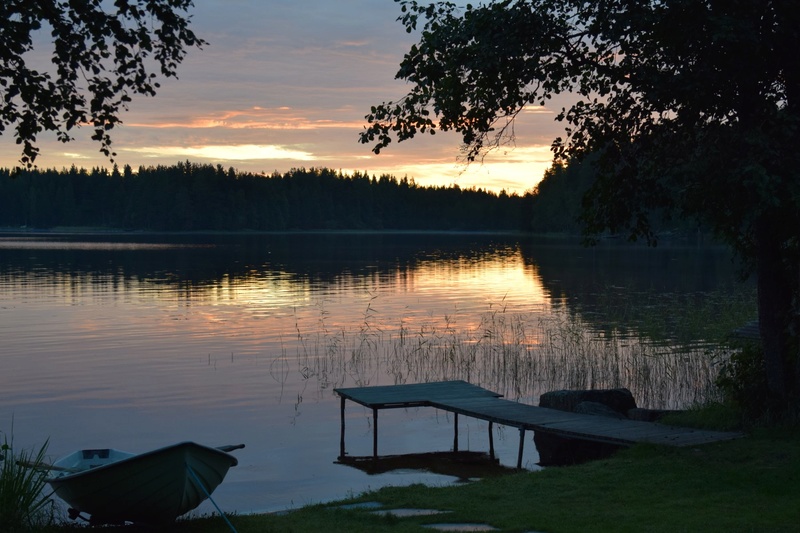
(113, 327)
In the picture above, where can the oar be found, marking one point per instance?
(45, 466)
(230, 447)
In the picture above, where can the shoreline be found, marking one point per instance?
(59, 230)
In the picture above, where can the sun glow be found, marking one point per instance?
(515, 170)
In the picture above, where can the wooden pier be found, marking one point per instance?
(460, 397)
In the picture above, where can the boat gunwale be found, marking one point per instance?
(139, 457)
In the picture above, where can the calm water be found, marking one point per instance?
(139, 341)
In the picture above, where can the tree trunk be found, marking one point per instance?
(774, 307)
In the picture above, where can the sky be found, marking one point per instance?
(286, 84)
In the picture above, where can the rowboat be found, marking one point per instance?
(155, 487)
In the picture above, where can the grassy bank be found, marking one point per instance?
(750, 484)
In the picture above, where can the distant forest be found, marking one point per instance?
(556, 203)
(194, 197)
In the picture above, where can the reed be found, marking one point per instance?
(24, 504)
(518, 355)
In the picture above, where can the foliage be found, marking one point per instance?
(743, 383)
(23, 504)
(101, 56)
(191, 197)
(556, 201)
(702, 122)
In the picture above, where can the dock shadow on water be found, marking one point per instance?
(462, 465)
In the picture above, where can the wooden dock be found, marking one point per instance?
(460, 397)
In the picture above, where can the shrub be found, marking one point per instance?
(743, 382)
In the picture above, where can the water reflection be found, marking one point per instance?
(137, 341)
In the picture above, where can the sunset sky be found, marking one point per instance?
(285, 84)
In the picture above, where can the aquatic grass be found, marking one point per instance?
(520, 355)
(24, 504)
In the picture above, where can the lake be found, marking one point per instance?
(136, 341)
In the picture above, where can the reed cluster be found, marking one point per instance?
(24, 503)
(518, 355)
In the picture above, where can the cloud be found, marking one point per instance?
(283, 83)
(242, 152)
(356, 43)
(256, 117)
(537, 110)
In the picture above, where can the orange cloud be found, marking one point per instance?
(243, 152)
(282, 118)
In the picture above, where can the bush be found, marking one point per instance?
(743, 382)
(24, 506)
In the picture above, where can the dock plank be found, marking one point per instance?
(464, 398)
(587, 427)
(388, 396)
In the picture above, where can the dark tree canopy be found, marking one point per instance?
(194, 197)
(102, 54)
(689, 107)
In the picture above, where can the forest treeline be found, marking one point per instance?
(198, 197)
(556, 204)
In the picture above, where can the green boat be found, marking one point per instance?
(155, 487)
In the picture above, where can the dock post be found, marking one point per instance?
(341, 435)
(374, 432)
(491, 441)
(521, 447)
(455, 437)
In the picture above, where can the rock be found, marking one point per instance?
(620, 400)
(648, 415)
(559, 451)
(598, 409)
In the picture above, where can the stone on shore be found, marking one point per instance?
(558, 451)
(598, 409)
(620, 400)
(648, 415)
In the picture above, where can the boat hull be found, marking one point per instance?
(151, 488)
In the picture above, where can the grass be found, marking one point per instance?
(745, 485)
(24, 505)
(741, 486)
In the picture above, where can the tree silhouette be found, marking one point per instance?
(101, 56)
(689, 106)
(193, 197)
